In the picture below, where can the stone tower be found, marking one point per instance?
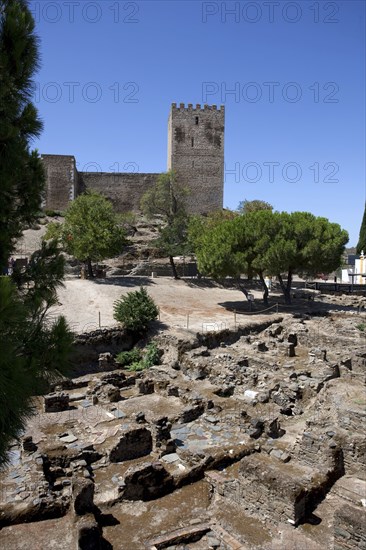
(196, 153)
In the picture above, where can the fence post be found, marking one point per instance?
(234, 319)
(187, 320)
(99, 319)
(277, 307)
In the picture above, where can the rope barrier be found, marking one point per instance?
(260, 311)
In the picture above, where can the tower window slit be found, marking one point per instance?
(196, 120)
(192, 142)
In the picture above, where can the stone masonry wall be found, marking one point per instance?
(123, 189)
(61, 181)
(196, 153)
(349, 528)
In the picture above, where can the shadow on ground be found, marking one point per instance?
(120, 280)
(298, 306)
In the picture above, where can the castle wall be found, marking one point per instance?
(196, 153)
(61, 181)
(123, 189)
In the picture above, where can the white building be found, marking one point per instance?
(357, 275)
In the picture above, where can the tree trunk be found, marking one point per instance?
(243, 289)
(174, 269)
(90, 268)
(265, 288)
(286, 289)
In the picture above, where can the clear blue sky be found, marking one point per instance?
(295, 117)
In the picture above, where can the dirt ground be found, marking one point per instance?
(189, 303)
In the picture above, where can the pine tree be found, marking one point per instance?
(33, 350)
(21, 173)
(362, 238)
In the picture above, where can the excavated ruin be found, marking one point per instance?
(245, 439)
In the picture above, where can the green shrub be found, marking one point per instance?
(125, 358)
(137, 366)
(52, 213)
(151, 354)
(135, 310)
(150, 357)
(361, 327)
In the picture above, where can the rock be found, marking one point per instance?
(263, 397)
(285, 457)
(113, 394)
(106, 361)
(292, 338)
(133, 444)
(250, 395)
(211, 419)
(89, 535)
(256, 423)
(274, 430)
(145, 386)
(56, 402)
(281, 399)
(146, 481)
(261, 346)
(173, 391)
(254, 433)
(191, 413)
(118, 414)
(83, 495)
(213, 542)
(225, 391)
(280, 455)
(28, 444)
(140, 418)
(175, 365)
(170, 458)
(256, 428)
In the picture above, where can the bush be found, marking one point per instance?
(150, 357)
(137, 366)
(125, 358)
(135, 310)
(137, 360)
(52, 213)
(361, 327)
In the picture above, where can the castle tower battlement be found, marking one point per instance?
(197, 107)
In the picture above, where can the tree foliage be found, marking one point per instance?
(34, 350)
(361, 245)
(270, 243)
(166, 200)
(91, 231)
(246, 206)
(135, 310)
(21, 172)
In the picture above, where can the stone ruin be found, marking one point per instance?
(245, 439)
